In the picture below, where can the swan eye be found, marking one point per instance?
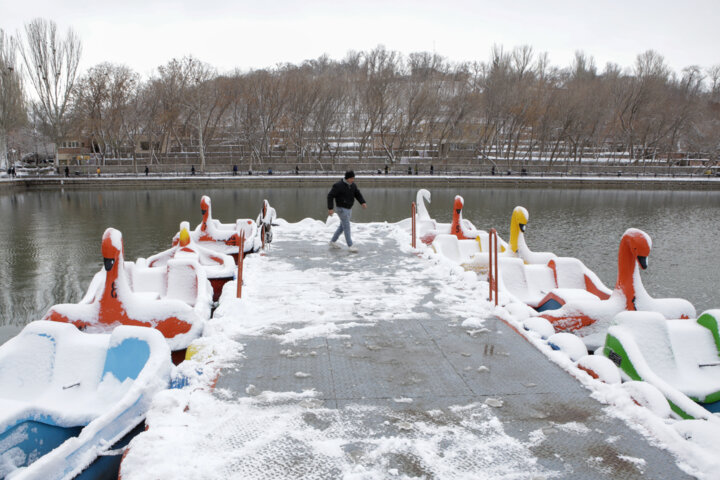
(109, 262)
(522, 227)
(203, 211)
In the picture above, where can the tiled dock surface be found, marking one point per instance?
(406, 383)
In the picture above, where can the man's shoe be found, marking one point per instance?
(334, 245)
(353, 249)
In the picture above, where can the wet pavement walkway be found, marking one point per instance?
(388, 383)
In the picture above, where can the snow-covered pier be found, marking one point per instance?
(382, 364)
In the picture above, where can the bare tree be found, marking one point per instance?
(302, 91)
(328, 124)
(713, 74)
(266, 103)
(418, 98)
(51, 63)
(198, 97)
(381, 70)
(12, 101)
(100, 104)
(131, 121)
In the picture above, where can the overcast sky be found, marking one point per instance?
(146, 33)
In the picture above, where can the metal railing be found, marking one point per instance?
(413, 223)
(369, 168)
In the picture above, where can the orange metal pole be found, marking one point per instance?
(262, 229)
(497, 272)
(493, 265)
(412, 215)
(490, 267)
(241, 258)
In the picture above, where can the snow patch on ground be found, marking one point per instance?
(272, 436)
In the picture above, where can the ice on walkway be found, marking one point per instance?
(370, 365)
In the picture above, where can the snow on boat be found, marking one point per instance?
(425, 225)
(427, 228)
(219, 268)
(175, 300)
(539, 279)
(222, 237)
(465, 244)
(460, 228)
(589, 316)
(265, 221)
(67, 396)
(681, 358)
(542, 279)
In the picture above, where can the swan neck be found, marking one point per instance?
(627, 264)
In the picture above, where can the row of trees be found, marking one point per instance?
(515, 107)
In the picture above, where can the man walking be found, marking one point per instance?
(344, 194)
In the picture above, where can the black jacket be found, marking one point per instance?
(344, 195)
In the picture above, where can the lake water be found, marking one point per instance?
(51, 239)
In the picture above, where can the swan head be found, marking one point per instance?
(205, 206)
(458, 205)
(184, 238)
(639, 244)
(520, 218)
(112, 248)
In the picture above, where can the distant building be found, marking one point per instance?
(74, 151)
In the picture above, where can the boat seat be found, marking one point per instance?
(570, 272)
(469, 249)
(529, 283)
(182, 280)
(447, 246)
(149, 279)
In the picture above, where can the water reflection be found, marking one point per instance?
(51, 239)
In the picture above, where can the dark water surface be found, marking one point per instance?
(50, 240)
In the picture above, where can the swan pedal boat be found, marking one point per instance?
(219, 268)
(590, 317)
(427, 228)
(222, 237)
(680, 357)
(67, 397)
(541, 280)
(176, 299)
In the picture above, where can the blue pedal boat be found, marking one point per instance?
(68, 397)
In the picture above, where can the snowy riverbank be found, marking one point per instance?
(368, 180)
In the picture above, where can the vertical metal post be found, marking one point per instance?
(493, 266)
(497, 272)
(412, 216)
(490, 266)
(262, 229)
(241, 258)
